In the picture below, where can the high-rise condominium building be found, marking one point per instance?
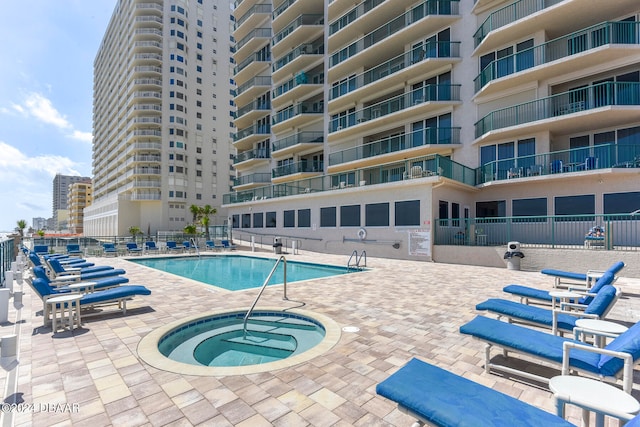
(80, 196)
(162, 115)
(391, 125)
(61, 185)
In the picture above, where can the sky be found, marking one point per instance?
(47, 48)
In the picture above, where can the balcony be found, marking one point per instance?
(412, 144)
(420, 99)
(352, 15)
(609, 97)
(405, 23)
(297, 115)
(303, 85)
(251, 180)
(301, 167)
(349, 90)
(252, 42)
(251, 66)
(300, 58)
(251, 112)
(298, 142)
(306, 27)
(581, 42)
(562, 163)
(396, 172)
(252, 89)
(245, 138)
(259, 154)
(251, 19)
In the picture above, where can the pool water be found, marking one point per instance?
(237, 272)
(221, 341)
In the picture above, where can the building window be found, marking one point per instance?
(289, 218)
(530, 207)
(328, 217)
(258, 218)
(304, 218)
(622, 203)
(235, 221)
(443, 212)
(246, 220)
(376, 215)
(350, 216)
(407, 213)
(271, 219)
(491, 209)
(575, 205)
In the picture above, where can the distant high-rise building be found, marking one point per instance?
(80, 196)
(60, 197)
(39, 223)
(396, 126)
(163, 115)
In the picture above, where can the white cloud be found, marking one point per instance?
(41, 108)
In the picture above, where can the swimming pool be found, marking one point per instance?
(238, 272)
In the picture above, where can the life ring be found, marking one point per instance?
(362, 234)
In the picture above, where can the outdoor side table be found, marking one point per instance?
(65, 305)
(600, 329)
(592, 395)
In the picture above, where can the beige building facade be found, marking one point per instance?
(80, 196)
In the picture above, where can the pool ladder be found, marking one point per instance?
(195, 245)
(356, 265)
(264, 285)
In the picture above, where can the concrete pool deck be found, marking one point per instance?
(94, 376)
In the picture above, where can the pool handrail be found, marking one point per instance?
(264, 285)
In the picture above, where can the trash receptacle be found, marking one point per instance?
(513, 255)
(277, 245)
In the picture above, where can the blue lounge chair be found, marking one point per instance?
(150, 246)
(74, 249)
(99, 283)
(132, 248)
(35, 262)
(616, 360)
(118, 295)
(526, 293)
(227, 245)
(56, 269)
(187, 247)
(109, 249)
(439, 398)
(41, 249)
(558, 320)
(560, 276)
(173, 246)
(211, 245)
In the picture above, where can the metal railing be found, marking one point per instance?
(264, 285)
(573, 101)
(622, 231)
(7, 256)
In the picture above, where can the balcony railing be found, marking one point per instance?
(429, 7)
(394, 65)
(284, 6)
(303, 49)
(298, 138)
(256, 57)
(296, 110)
(252, 106)
(258, 153)
(254, 10)
(509, 14)
(297, 167)
(300, 79)
(252, 130)
(603, 156)
(392, 144)
(252, 178)
(428, 93)
(296, 23)
(352, 15)
(258, 32)
(583, 99)
(381, 174)
(256, 81)
(589, 38)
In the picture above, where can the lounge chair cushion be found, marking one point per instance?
(544, 316)
(59, 268)
(543, 295)
(114, 293)
(446, 399)
(628, 342)
(529, 341)
(582, 277)
(106, 282)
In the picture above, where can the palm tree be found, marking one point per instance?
(22, 224)
(205, 212)
(134, 231)
(195, 211)
(190, 229)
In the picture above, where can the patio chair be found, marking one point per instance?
(173, 246)
(437, 397)
(35, 261)
(614, 361)
(41, 249)
(556, 166)
(119, 295)
(594, 237)
(56, 269)
(79, 276)
(109, 249)
(150, 246)
(527, 293)
(132, 248)
(188, 247)
(227, 245)
(211, 245)
(74, 249)
(559, 320)
(585, 278)
(98, 284)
